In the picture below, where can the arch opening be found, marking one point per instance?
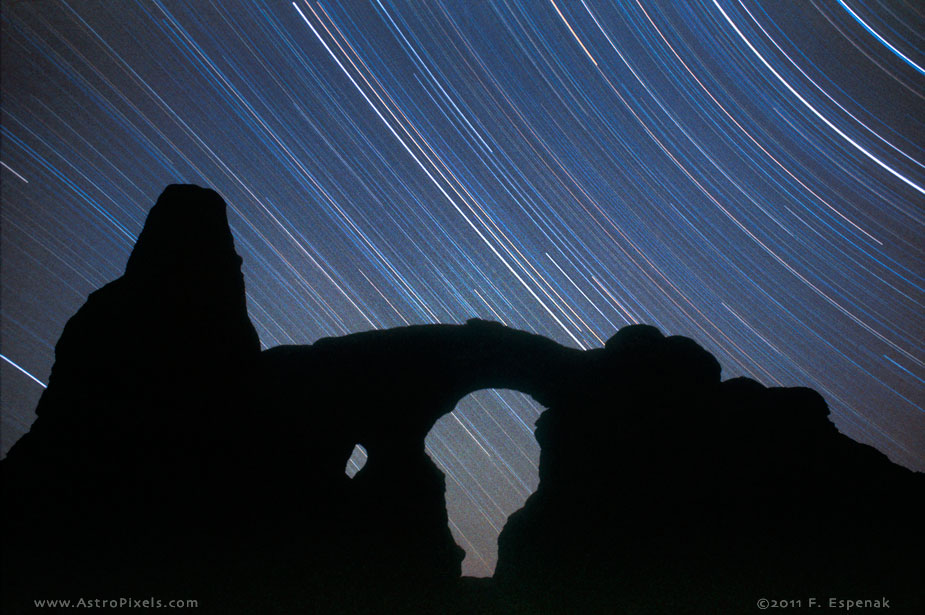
(487, 450)
(356, 462)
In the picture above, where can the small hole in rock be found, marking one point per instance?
(356, 462)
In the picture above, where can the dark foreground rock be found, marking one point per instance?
(173, 459)
(134, 452)
(664, 490)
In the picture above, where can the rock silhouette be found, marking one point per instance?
(664, 490)
(133, 450)
(172, 458)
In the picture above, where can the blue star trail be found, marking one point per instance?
(747, 174)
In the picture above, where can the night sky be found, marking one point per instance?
(748, 174)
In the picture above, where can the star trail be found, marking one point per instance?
(748, 174)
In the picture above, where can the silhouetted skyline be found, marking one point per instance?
(171, 456)
(747, 176)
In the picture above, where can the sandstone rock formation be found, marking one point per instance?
(171, 458)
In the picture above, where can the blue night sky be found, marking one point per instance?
(749, 174)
